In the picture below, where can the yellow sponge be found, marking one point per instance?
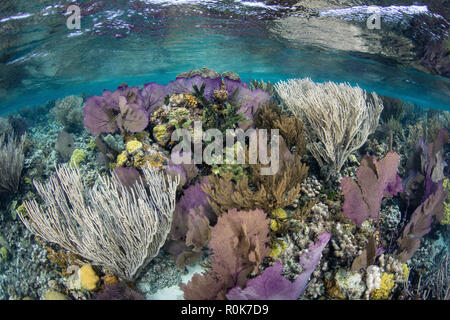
(88, 277)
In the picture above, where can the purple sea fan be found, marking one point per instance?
(193, 197)
(120, 109)
(252, 100)
(132, 94)
(231, 85)
(187, 171)
(376, 179)
(132, 118)
(153, 96)
(271, 285)
(98, 116)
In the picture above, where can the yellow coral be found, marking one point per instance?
(88, 277)
(54, 295)
(386, 286)
(3, 253)
(22, 210)
(405, 271)
(173, 122)
(78, 156)
(110, 279)
(179, 114)
(133, 146)
(176, 99)
(121, 159)
(274, 225)
(140, 160)
(279, 213)
(277, 248)
(160, 133)
(140, 136)
(156, 160)
(92, 144)
(191, 100)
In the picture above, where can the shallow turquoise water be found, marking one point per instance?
(142, 41)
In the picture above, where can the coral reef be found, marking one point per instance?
(121, 218)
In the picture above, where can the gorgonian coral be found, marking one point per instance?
(271, 285)
(191, 223)
(239, 244)
(376, 180)
(119, 110)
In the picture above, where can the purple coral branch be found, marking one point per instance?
(271, 285)
(376, 180)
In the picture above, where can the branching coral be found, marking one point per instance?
(338, 118)
(267, 192)
(291, 129)
(271, 191)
